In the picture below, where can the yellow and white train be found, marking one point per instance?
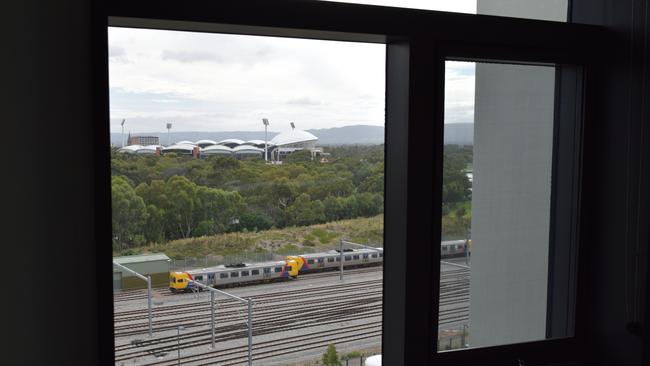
(250, 273)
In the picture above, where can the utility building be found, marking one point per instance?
(154, 265)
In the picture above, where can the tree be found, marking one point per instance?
(181, 198)
(331, 357)
(129, 211)
(304, 211)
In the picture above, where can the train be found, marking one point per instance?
(240, 274)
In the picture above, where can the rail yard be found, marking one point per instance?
(293, 321)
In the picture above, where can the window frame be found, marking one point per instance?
(416, 42)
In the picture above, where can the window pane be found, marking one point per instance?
(554, 10)
(496, 214)
(255, 158)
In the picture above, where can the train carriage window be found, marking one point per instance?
(338, 259)
(223, 275)
(234, 274)
(211, 276)
(244, 273)
(355, 257)
(381, 255)
(174, 279)
(255, 272)
(278, 269)
(365, 256)
(198, 278)
(310, 261)
(374, 255)
(180, 280)
(330, 259)
(267, 270)
(348, 257)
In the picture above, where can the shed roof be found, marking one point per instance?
(141, 258)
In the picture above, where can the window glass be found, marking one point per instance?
(554, 10)
(233, 152)
(496, 204)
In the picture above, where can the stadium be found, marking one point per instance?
(278, 148)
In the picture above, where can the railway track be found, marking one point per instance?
(273, 313)
(332, 292)
(280, 347)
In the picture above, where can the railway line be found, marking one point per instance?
(322, 306)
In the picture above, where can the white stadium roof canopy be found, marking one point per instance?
(216, 149)
(247, 149)
(254, 142)
(203, 143)
(292, 137)
(182, 148)
(184, 142)
(230, 142)
(131, 149)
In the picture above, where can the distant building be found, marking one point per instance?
(144, 140)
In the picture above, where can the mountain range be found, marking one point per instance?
(455, 133)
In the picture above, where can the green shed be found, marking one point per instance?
(154, 265)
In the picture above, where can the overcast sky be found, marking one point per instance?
(219, 82)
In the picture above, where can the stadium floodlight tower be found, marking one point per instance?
(123, 120)
(169, 127)
(266, 139)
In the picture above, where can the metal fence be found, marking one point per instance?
(188, 263)
(183, 264)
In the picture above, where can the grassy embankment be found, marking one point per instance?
(282, 241)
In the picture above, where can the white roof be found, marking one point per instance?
(179, 146)
(185, 142)
(149, 149)
(216, 149)
(206, 142)
(231, 141)
(131, 149)
(247, 148)
(292, 137)
(254, 142)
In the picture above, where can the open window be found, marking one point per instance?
(510, 196)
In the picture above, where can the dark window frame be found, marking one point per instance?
(415, 86)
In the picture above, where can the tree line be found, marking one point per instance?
(161, 198)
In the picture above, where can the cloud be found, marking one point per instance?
(304, 101)
(116, 51)
(191, 56)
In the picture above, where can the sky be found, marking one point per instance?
(219, 82)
